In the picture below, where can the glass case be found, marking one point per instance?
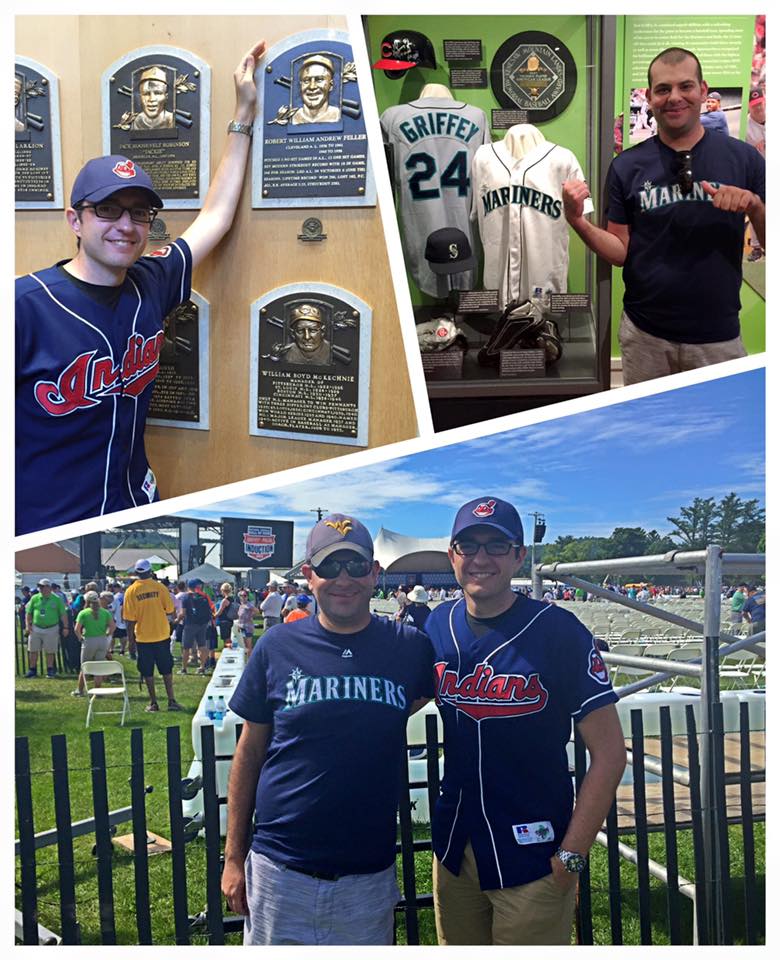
(512, 310)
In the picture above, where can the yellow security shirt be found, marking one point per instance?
(147, 604)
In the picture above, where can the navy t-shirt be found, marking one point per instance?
(507, 700)
(328, 790)
(683, 271)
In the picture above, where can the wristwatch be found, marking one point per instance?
(572, 862)
(235, 127)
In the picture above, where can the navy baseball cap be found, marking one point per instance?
(489, 512)
(303, 600)
(448, 251)
(102, 176)
(195, 582)
(338, 532)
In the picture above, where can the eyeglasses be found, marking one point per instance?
(683, 170)
(114, 211)
(493, 548)
(330, 568)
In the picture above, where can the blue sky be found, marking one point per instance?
(630, 464)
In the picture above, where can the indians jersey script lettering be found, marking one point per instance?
(507, 700)
(434, 141)
(518, 205)
(84, 378)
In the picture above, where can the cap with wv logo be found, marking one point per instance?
(448, 251)
(338, 532)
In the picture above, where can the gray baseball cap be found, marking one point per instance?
(338, 532)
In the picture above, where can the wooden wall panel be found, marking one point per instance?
(261, 252)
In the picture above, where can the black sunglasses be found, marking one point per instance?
(114, 211)
(330, 568)
(683, 171)
(493, 548)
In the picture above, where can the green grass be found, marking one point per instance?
(45, 708)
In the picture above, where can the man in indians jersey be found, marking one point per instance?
(89, 332)
(434, 140)
(512, 675)
(518, 205)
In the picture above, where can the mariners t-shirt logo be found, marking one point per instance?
(259, 542)
(485, 509)
(88, 379)
(125, 169)
(484, 693)
(597, 669)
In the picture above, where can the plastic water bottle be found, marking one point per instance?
(210, 707)
(219, 712)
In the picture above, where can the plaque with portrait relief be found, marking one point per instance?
(181, 389)
(156, 112)
(310, 147)
(310, 371)
(38, 148)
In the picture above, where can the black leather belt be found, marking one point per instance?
(316, 874)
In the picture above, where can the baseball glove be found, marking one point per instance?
(522, 326)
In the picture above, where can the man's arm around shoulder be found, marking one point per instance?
(249, 757)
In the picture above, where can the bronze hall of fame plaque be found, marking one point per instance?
(181, 388)
(38, 149)
(310, 371)
(310, 147)
(534, 72)
(156, 111)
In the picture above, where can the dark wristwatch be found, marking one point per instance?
(572, 862)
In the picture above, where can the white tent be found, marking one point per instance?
(208, 573)
(398, 553)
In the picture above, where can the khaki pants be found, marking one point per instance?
(646, 357)
(537, 913)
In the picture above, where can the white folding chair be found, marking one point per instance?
(105, 668)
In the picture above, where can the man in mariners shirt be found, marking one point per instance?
(676, 208)
(512, 673)
(325, 702)
(89, 331)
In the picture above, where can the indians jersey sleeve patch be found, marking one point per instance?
(149, 485)
(597, 669)
(539, 832)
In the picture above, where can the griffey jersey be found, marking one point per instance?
(507, 701)
(338, 705)
(434, 141)
(84, 378)
(518, 205)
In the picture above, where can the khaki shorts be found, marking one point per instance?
(539, 913)
(646, 357)
(44, 638)
(94, 648)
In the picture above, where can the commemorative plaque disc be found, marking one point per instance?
(310, 147)
(181, 390)
(38, 151)
(534, 72)
(156, 112)
(310, 354)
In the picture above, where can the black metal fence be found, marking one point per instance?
(640, 897)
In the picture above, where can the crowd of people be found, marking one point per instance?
(145, 619)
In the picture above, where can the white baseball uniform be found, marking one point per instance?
(434, 141)
(519, 207)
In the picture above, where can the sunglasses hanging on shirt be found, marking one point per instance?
(683, 171)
